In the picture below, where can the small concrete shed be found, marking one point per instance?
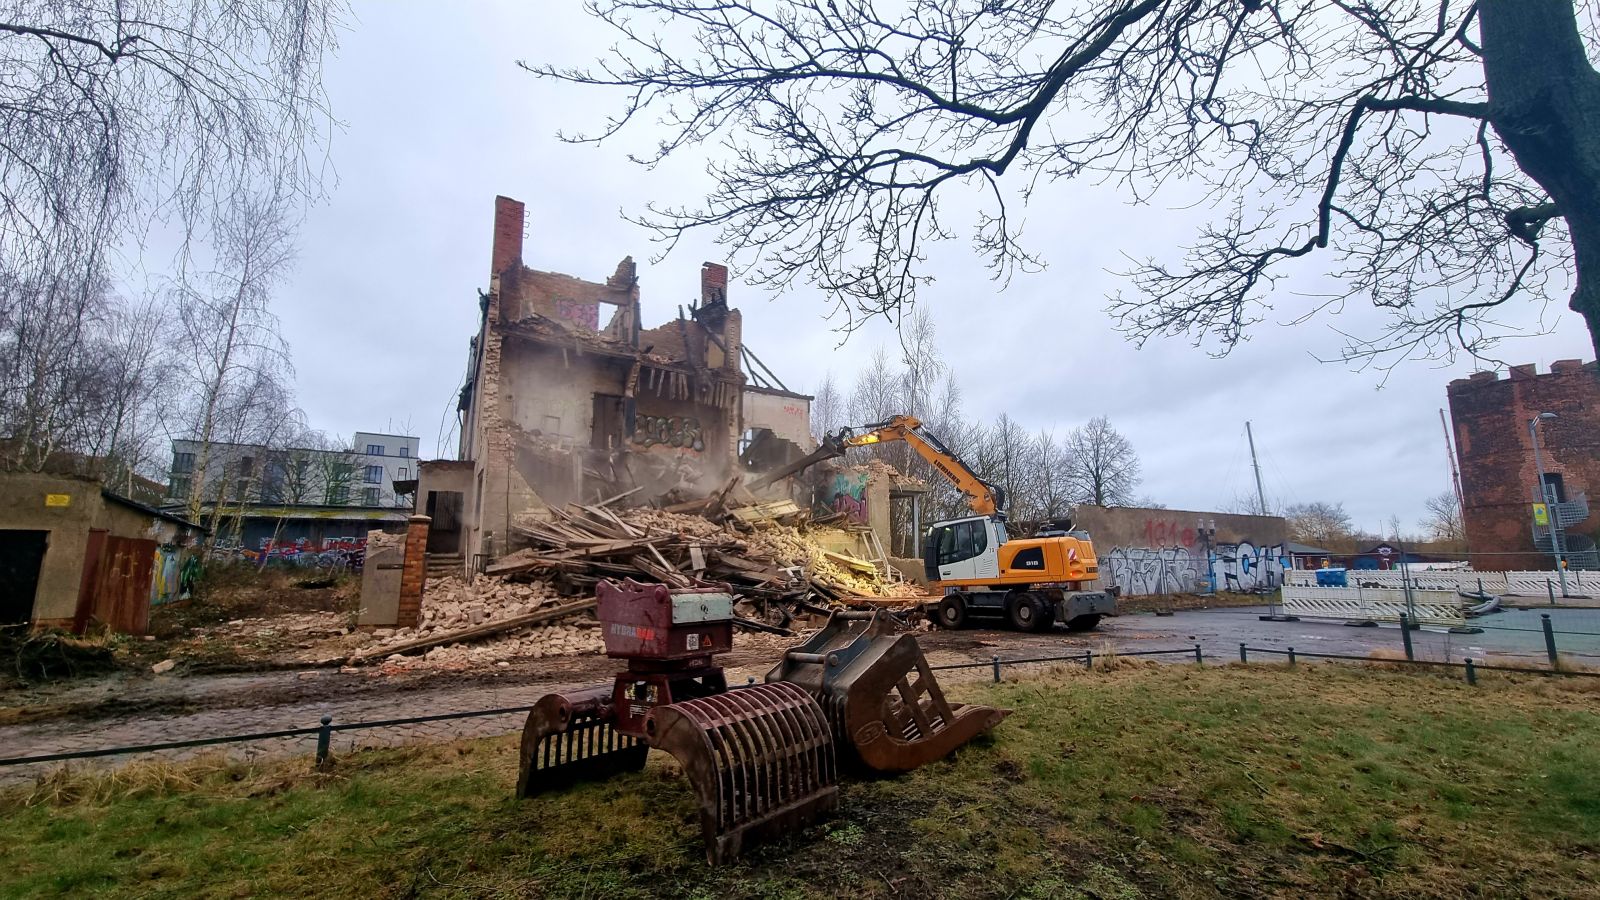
(73, 554)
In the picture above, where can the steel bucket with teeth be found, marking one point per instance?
(886, 709)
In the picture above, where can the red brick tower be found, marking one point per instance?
(1499, 482)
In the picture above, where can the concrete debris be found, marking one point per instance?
(785, 576)
(165, 666)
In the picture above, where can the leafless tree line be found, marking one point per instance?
(1044, 475)
(192, 126)
(1328, 526)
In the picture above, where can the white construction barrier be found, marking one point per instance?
(1428, 580)
(1358, 604)
(1537, 584)
(1543, 583)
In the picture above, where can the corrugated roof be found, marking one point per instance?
(145, 508)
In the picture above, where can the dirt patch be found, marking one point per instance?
(1160, 603)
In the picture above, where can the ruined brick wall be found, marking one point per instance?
(509, 223)
(499, 490)
(570, 301)
(413, 573)
(785, 414)
(1499, 482)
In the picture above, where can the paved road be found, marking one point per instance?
(1516, 636)
(132, 711)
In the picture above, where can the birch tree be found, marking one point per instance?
(236, 357)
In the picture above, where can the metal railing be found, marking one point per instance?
(1472, 667)
(1086, 657)
(323, 731)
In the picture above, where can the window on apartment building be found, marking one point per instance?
(337, 494)
(374, 449)
(247, 465)
(180, 489)
(241, 489)
(182, 463)
(374, 475)
(369, 496)
(405, 451)
(404, 473)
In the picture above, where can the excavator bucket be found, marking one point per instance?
(760, 758)
(570, 738)
(881, 698)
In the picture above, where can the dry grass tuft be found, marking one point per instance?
(210, 775)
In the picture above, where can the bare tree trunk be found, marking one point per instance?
(213, 396)
(1544, 102)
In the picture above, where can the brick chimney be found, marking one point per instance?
(713, 283)
(508, 219)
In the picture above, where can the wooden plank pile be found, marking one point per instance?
(580, 544)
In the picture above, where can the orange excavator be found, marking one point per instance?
(980, 571)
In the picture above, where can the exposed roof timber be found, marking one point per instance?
(752, 358)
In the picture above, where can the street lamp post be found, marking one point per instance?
(1549, 498)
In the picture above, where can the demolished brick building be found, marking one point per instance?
(568, 398)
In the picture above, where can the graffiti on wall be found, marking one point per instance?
(849, 496)
(1160, 533)
(333, 553)
(1244, 567)
(669, 431)
(164, 579)
(1240, 567)
(1142, 570)
(579, 313)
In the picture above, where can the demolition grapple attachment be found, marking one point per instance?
(760, 759)
(882, 701)
(570, 738)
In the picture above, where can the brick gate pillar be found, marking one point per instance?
(413, 573)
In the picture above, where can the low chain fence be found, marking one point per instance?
(324, 738)
(1470, 666)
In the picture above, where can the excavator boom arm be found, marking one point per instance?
(986, 499)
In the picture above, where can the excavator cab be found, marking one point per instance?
(964, 549)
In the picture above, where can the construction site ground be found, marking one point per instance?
(138, 708)
(1142, 781)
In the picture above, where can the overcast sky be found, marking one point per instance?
(439, 119)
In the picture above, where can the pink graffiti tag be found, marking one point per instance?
(1158, 533)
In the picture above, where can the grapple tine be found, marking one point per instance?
(760, 760)
(882, 701)
(570, 738)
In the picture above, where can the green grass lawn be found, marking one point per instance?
(1157, 782)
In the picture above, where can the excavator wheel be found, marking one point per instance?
(1028, 612)
(953, 612)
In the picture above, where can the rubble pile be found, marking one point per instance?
(537, 601)
(537, 642)
(794, 547)
(580, 545)
(450, 605)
